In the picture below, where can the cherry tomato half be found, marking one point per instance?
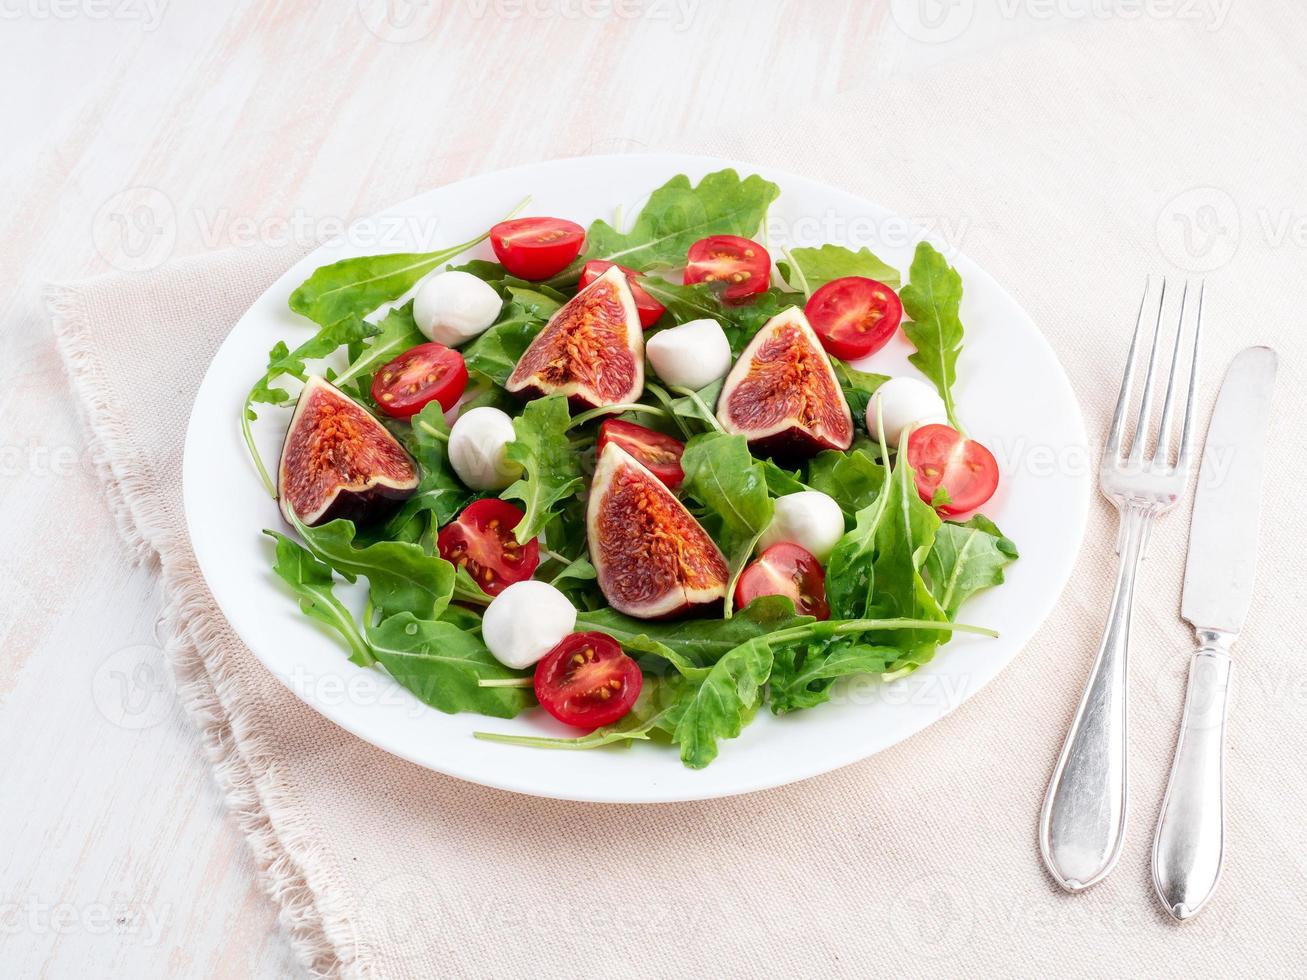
(482, 541)
(587, 681)
(650, 309)
(743, 265)
(788, 570)
(943, 457)
(419, 376)
(536, 248)
(660, 453)
(854, 316)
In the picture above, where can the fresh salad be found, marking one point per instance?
(630, 476)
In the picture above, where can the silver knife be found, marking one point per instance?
(1189, 847)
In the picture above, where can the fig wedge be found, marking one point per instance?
(591, 350)
(653, 559)
(338, 461)
(783, 395)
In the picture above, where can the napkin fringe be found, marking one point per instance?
(105, 432)
(323, 939)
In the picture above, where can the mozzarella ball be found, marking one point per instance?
(903, 402)
(810, 519)
(526, 621)
(477, 449)
(453, 307)
(693, 355)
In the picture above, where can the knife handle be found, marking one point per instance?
(1189, 847)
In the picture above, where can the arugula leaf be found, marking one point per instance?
(875, 569)
(401, 576)
(356, 287)
(965, 559)
(677, 215)
(535, 296)
(441, 664)
(440, 491)
(858, 387)
(802, 676)
(853, 479)
(811, 268)
(699, 406)
(781, 482)
(932, 298)
(903, 539)
(397, 334)
(722, 703)
(551, 471)
(722, 475)
(696, 643)
(312, 583)
(496, 352)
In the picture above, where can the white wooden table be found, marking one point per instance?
(268, 122)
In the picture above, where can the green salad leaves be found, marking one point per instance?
(896, 581)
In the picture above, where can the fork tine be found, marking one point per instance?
(1113, 449)
(1163, 454)
(1187, 432)
(1146, 402)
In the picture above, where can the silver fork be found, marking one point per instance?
(1083, 821)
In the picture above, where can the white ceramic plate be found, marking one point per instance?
(1011, 390)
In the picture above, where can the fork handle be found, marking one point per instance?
(1083, 821)
(1189, 847)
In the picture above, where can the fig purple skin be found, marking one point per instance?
(338, 461)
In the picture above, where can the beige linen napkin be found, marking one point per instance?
(921, 860)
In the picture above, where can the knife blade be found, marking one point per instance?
(1222, 561)
(1189, 846)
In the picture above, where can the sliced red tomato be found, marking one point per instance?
(789, 570)
(536, 248)
(419, 376)
(482, 541)
(944, 459)
(650, 309)
(854, 316)
(660, 453)
(587, 681)
(743, 265)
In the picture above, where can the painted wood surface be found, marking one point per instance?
(141, 130)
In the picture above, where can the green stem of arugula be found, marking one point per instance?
(866, 625)
(699, 403)
(728, 603)
(666, 399)
(431, 430)
(248, 435)
(603, 410)
(798, 273)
